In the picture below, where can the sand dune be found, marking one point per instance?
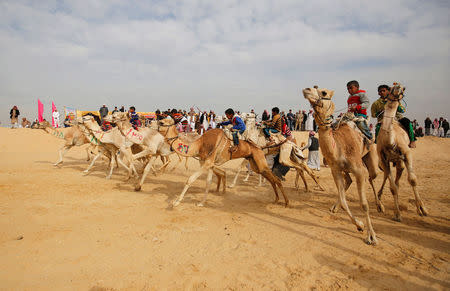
(62, 230)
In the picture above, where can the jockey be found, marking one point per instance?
(378, 110)
(358, 103)
(238, 126)
(134, 117)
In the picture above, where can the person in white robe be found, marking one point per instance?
(313, 152)
(309, 125)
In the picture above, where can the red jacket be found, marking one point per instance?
(361, 101)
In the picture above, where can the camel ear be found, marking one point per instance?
(331, 93)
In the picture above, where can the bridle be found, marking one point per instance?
(328, 120)
(392, 97)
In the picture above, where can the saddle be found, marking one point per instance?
(350, 119)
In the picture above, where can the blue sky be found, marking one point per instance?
(220, 54)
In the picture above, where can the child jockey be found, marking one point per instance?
(134, 118)
(238, 127)
(357, 103)
(378, 110)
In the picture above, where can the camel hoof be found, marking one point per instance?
(334, 209)
(286, 204)
(108, 177)
(200, 204)
(276, 200)
(397, 218)
(371, 240)
(175, 203)
(359, 226)
(137, 188)
(231, 186)
(422, 211)
(380, 208)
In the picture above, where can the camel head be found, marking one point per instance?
(397, 92)
(166, 122)
(320, 100)
(116, 117)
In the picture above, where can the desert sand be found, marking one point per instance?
(61, 230)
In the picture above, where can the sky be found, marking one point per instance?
(220, 54)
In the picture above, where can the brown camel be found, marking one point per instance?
(73, 137)
(392, 147)
(212, 150)
(346, 153)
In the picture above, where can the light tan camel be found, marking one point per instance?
(151, 140)
(212, 150)
(73, 137)
(345, 153)
(112, 142)
(392, 147)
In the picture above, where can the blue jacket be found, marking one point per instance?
(237, 122)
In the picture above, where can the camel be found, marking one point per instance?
(110, 143)
(212, 151)
(290, 154)
(345, 152)
(392, 147)
(152, 141)
(73, 137)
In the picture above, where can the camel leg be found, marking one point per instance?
(369, 162)
(261, 167)
(62, 151)
(297, 176)
(145, 173)
(235, 177)
(261, 180)
(412, 179)
(249, 171)
(348, 182)
(339, 181)
(129, 156)
(311, 174)
(92, 163)
(394, 191)
(189, 182)
(111, 164)
(88, 149)
(208, 183)
(371, 235)
(223, 177)
(254, 167)
(302, 175)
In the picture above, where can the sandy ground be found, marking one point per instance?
(60, 230)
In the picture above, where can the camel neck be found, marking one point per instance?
(390, 109)
(327, 143)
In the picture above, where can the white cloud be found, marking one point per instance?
(218, 54)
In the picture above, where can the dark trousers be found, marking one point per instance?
(268, 130)
(236, 137)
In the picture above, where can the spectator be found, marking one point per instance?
(441, 129)
(305, 116)
(103, 111)
(14, 116)
(122, 109)
(313, 152)
(435, 127)
(290, 120)
(265, 116)
(428, 124)
(445, 126)
(55, 116)
(115, 110)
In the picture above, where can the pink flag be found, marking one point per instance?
(54, 123)
(40, 111)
